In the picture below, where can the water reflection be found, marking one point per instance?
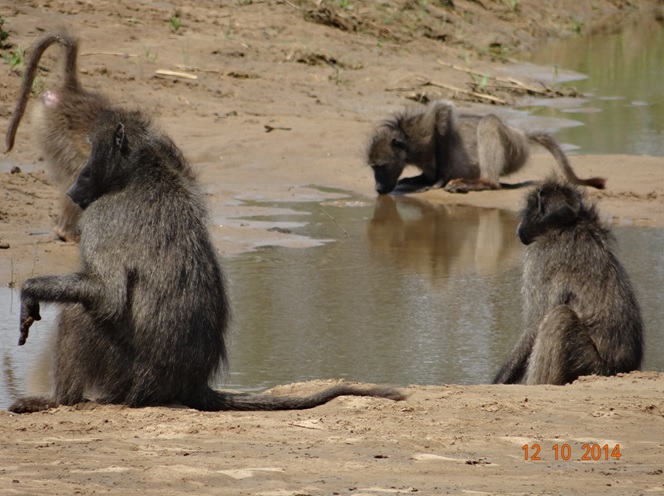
(625, 109)
(416, 293)
(412, 295)
(25, 369)
(438, 240)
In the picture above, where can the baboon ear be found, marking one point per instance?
(398, 143)
(119, 136)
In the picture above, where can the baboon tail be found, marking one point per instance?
(211, 400)
(32, 404)
(547, 141)
(71, 78)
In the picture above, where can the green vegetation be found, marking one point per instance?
(515, 5)
(14, 59)
(480, 81)
(175, 22)
(577, 26)
(38, 86)
(150, 56)
(4, 35)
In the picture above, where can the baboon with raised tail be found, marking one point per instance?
(144, 321)
(456, 151)
(61, 121)
(581, 314)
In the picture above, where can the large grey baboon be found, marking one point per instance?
(457, 151)
(61, 121)
(144, 320)
(581, 313)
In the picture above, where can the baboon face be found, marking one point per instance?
(387, 158)
(549, 207)
(102, 170)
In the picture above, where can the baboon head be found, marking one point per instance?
(553, 206)
(106, 169)
(387, 157)
(97, 175)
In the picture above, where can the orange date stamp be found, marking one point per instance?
(589, 452)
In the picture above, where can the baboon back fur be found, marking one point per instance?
(457, 151)
(581, 312)
(61, 121)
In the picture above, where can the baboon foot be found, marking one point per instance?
(32, 404)
(465, 185)
(64, 234)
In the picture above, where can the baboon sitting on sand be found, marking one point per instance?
(581, 313)
(144, 320)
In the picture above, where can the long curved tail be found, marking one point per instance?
(213, 401)
(547, 141)
(71, 82)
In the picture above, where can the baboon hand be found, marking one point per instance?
(29, 313)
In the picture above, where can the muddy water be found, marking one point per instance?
(415, 293)
(624, 108)
(408, 292)
(393, 301)
(24, 368)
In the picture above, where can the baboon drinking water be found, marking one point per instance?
(144, 321)
(581, 313)
(61, 121)
(457, 151)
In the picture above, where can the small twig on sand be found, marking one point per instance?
(11, 282)
(197, 69)
(468, 92)
(422, 81)
(305, 427)
(335, 221)
(269, 129)
(510, 80)
(183, 75)
(115, 54)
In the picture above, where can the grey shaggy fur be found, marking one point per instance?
(581, 314)
(61, 122)
(460, 152)
(144, 321)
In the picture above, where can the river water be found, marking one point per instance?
(622, 78)
(407, 293)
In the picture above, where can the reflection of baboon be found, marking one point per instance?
(61, 120)
(437, 240)
(460, 152)
(144, 320)
(581, 313)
